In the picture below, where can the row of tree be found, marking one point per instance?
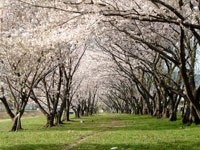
(152, 47)
(155, 52)
(49, 84)
(40, 51)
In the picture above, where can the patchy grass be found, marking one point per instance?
(142, 133)
(127, 132)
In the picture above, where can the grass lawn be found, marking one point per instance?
(126, 132)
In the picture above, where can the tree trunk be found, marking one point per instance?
(192, 95)
(172, 115)
(82, 112)
(145, 109)
(67, 112)
(87, 111)
(185, 112)
(172, 110)
(165, 113)
(8, 110)
(50, 120)
(65, 115)
(157, 111)
(59, 118)
(78, 111)
(60, 113)
(193, 115)
(16, 123)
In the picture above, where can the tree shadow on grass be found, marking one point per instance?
(160, 146)
(125, 123)
(86, 146)
(32, 147)
(127, 127)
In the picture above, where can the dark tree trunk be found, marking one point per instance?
(8, 110)
(59, 118)
(78, 111)
(67, 112)
(87, 111)
(192, 94)
(172, 111)
(185, 112)
(172, 115)
(50, 120)
(17, 119)
(66, 116)
(16, 123)
(82, 112)
(117, 110)
(60, 113)
(193, 115)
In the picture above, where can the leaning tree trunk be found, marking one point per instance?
(17, 119)
(17, 122)
(193, 115)
(193, 95)
(8, 110)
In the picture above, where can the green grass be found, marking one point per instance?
(127, 132)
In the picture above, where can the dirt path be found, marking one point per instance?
(82, 139)
(114, 124)
(5, 120)
(9, 120)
